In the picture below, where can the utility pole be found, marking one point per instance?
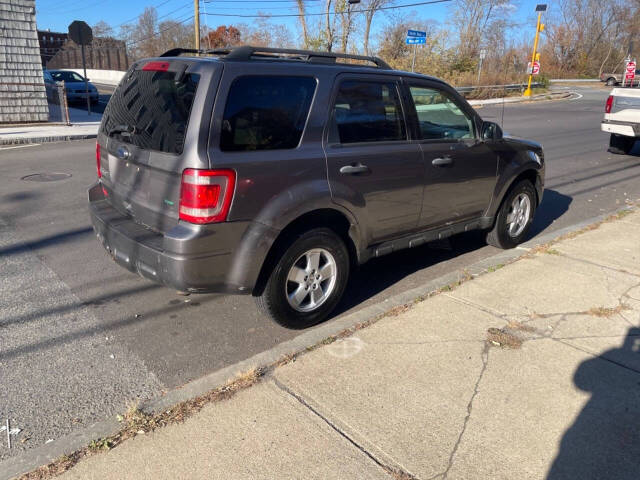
(535, 55)
(196, 21)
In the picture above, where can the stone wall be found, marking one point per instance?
(22, 93)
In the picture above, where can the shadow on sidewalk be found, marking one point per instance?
(381, 273)
(604, 440)
(554, 205)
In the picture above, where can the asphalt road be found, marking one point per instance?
(80, 337)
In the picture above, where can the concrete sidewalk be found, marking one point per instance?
(531, 371)
(82, 126)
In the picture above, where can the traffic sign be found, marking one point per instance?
(631, 67)
(416, 41)
(533, 69)
(80, 32)
(416, 33)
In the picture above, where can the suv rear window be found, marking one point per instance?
(266, 112)
(155, 106)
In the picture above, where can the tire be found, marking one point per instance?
(504, 234)
(611, 82)
(293, 273)
(620, 144)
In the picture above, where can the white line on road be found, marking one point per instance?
(20, 146)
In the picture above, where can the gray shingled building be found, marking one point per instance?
(22, 94)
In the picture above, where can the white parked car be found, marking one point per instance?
(622, 119)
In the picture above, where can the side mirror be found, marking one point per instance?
(491, 131)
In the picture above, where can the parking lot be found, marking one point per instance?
(81, 338)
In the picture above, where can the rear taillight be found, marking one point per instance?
(98, 158)
(156, 67)
(609, 104)
(205, 195)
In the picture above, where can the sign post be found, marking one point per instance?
(535, 56)
(483, 55)
(415, 38)
(82, 34)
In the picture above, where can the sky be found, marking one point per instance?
(56, 15)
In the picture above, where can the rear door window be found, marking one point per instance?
(367, 112)
(153, 108)
(266, 112)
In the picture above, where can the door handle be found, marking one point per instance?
(442, 162)
(355, 169)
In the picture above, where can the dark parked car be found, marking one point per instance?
(74, 84)
(274, 172)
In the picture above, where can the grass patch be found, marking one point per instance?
(502, 337)
(604, 312)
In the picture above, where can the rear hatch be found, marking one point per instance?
(150, 133)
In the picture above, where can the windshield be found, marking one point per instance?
(151, 109)
(67, 77)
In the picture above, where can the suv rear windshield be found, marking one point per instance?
(153, 110)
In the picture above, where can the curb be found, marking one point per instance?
(535, 98)
(46, 139)
(47, 453)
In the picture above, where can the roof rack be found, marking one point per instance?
(249, 52)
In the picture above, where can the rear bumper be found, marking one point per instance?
(164, 258)
(628, 129)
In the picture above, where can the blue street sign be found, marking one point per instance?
(416, 33)
(416, 41)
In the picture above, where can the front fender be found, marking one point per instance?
(517, 160)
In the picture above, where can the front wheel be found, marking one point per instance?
(611, 82)
(514, 217)
(308, 280)
(621, 144)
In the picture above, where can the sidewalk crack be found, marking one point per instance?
(396, 473)
(485, 362)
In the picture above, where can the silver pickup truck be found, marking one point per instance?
(622, 119)
(613, 79)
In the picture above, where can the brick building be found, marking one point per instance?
(22, 93)
(104, 53)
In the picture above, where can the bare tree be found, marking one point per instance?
(102, 29)
(471, 19)
(371, 7)
(303, 22)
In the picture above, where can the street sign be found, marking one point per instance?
(630, 72)
(483, 54)
(416, 33)
(416, 41)
(80, 32)
(631, 67)
(533, 69)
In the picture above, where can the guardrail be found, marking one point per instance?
(578, 80)
(510, 88)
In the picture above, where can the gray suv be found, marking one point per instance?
(274, 172)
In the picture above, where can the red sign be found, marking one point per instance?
(630, 74)
(533, 69)
(536, 68)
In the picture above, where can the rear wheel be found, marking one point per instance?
(514, 217)
(611, 82)
(308, 280)
(621, 144)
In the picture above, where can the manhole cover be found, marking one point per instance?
(46, 177)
